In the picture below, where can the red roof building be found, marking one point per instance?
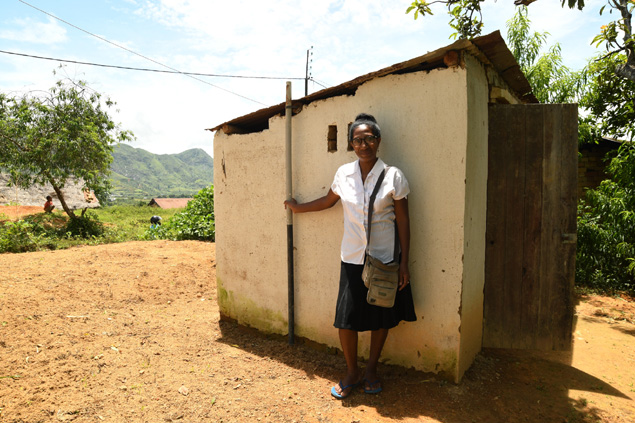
(169, 203)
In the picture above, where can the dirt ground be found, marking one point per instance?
(13, 212)
(131, 333)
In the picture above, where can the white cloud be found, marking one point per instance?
(32, 31)
(269, 38)
(169, 113)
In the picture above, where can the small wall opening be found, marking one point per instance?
(332, 139)
(348, 131)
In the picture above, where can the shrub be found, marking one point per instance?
(19, 237)
(605, 257)
(86, 226)
(196, 222)
(120, 223)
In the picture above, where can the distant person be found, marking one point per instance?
(155, 221)
(48, 206)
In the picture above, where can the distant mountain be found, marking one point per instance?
(139, 174)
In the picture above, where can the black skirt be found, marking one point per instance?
(353, 312)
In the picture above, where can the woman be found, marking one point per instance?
(353, 184)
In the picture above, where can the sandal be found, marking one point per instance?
(342, 395)
(368, 385)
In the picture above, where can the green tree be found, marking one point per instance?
(609, 37)
(467, 20)
(605, 256)
(608, 99)
(551, 81)
(466, 17)
(56, 136)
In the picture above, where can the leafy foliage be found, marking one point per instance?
(466, 15)
(606, 218)
(62, 134)
(196, 222)
(524, 46)
(609, 99)
(19, 237)
(56, 231)
(606, 229)
(467, 20)
(609, 34)
(551, 81)
(33, 233)
(86, 226)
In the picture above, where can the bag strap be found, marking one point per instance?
(380, 179)
(371, 202)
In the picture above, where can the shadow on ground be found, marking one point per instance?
(501, 385)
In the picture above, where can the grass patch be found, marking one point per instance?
(131, 222)
(50, 231)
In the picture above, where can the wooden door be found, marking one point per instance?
(531, 226)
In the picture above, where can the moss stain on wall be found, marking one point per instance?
(249, 313)
(223, 297)
(441, 362)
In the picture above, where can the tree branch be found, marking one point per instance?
(622, 6)
(14, 142)
(610, 53)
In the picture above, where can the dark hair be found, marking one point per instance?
(365, 119)
(48, 197)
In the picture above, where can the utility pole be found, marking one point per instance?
(309, 54)
(289, 186)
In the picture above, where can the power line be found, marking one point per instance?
(145, 69)
(138, 54)
(32, 56)
(317, 82)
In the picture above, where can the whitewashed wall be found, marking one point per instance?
(434, 127)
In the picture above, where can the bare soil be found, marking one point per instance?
(17, 211)
(131, 333)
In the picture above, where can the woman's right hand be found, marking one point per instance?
(292, 203)
(321, 203)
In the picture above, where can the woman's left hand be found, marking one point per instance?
(404, 275)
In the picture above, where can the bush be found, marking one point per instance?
(605, 259)
(86, 226)
(120, 223)
(19, 237)
(196, 222)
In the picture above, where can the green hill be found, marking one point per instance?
(139, 174)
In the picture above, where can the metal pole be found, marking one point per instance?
(306, 77)
(289, 186)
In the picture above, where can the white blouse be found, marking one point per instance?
(355, 196)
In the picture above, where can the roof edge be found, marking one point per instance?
(489, 49)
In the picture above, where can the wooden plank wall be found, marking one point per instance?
(529, 261)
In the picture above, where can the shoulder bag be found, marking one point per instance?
(382, 280)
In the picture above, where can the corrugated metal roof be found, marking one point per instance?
(170, 203)
(490, 49)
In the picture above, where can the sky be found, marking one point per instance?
(169, 113)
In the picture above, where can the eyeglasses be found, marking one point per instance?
(368, 139)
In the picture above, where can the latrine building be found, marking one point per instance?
(434, 115)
